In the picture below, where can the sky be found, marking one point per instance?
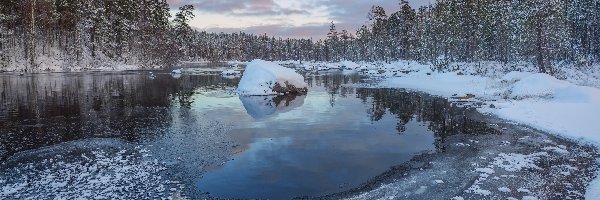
(284, 18)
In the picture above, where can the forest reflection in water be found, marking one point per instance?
(45, 109)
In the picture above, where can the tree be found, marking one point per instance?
(332, 43)
(183, 30)
(380, 33)
(31, 35)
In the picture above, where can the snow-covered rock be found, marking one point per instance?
(267, 78)
(176, 71)
(175, 75)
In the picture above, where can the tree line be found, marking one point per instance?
(547, 33)
(66, 33)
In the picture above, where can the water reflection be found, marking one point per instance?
(339, 138)
(334, 138)
(443, 118)
(263, 106)
(44, 109)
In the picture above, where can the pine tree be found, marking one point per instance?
(332, 43)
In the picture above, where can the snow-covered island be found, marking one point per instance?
(267, 78)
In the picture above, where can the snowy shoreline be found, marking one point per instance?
(514, 92)
(517, 93)
(562, 108)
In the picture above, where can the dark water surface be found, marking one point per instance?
(331, 140)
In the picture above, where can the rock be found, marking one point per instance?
(267, 78)
(288, 88)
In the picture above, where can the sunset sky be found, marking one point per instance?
(284, 18)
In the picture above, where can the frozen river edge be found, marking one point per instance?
(506, 160)
(520, 152)
(516, 162)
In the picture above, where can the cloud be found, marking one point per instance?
(238, 7)
(279, 30)
(285, 18)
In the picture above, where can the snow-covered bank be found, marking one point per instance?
(538, 100)
(267, 78)
(564, 107)
(560, 107)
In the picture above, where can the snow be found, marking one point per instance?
(523, 190)
(504, 163)
(349, 65)
(556, 149)
(567, 107)
(572, 112)
(475, 189)
(504, 189)
(515, 76)
(97, 174)
(261, 77)
(230, 72)
(445, 84)
(534, 99)
(421, 190)
(515, 162)
(536, 85)
(485, 170)
(176, 71)
(593, 189)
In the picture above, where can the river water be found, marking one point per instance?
(337, 137)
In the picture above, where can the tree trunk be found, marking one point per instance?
(539, 47)
(32, 36)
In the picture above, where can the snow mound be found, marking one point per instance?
(537, 85)
(577, 94)
(267, 78)
(516, 76)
